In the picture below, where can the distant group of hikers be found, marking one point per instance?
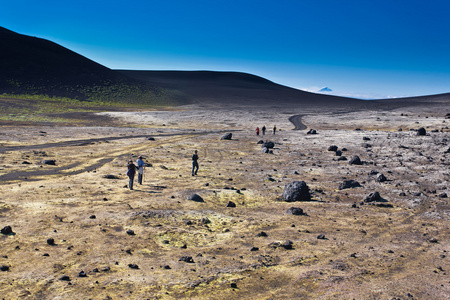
(140, 164)
(263, 130)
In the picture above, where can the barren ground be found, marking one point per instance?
(368, 252)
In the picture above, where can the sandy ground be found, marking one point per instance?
(368, 251)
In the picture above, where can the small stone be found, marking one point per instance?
(6, 230)
(261, 234)
(321, 237)
(349, 184)
(287, 245)
(254, 249)
(51, 241)
(187, 259)
(4, 268)
(381, 178)
(196, 198)
(297, 211)
(92, 217)
(355, 160)
(130, 232)
(227, 136)
(64, 278)
(82, 274)
(133, 266)
(433, 240)
(421, 131)
(231, 204)
(373, 196)
(167, 267)
(333, 148)
(233, 285)
(51, 162)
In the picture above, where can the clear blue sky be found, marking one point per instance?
(364, 48)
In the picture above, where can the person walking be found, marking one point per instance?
(274, 129)
(194, 163)
(130, 173)
(140, 166)
(263, 129)
(257, 131)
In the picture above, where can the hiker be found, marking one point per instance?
(130, 173)
(257, 130)
(263, 130)
(140, 166)
(194, 163)
(274, 129)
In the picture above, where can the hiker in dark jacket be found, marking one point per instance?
(263, 129)
(130, 173)
(194, 163)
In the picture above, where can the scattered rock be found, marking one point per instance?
(372, 197)
(287, 245)
(261, 234)
(365, 138)
(205, 220)
(342, 158)
(51, 162)
(130, 232)
(109, 176)
(365, 145)
(254, 249)
(4, 268)
(233, 285)
(26, 162)
(312, 131)
(260, 142)
(51, 241)
(296, 191)
(433, 240)
(92, 217)
(196, 198)
(381, 178)
(421, 131)
(338, 153)
(443, 195)
(321, 237)
(295, 211)
(355, 160)
(349, 184)
(227, 136)
(333, 148)
(187, 259)
(133, 266)
(150, 138)
(268, 145)
(6, 230)
(64, 278)
(231, 204)
(82, 274)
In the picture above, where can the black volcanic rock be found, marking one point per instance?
(296, 191)
(332, 148)
(6, 230)
(421, 131)
(268, 145)
(295, 211)
(381, 178)
(349, 184)
(355, 160)
(372, 197)
(196, 198)
(227, 136)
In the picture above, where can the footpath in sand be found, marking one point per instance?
(110, 242)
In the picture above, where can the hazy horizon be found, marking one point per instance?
(379, 50)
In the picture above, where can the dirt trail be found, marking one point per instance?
(297, 121)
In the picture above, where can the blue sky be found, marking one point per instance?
(366, 49)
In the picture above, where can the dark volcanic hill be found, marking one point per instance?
(30, 65)
(33, 64)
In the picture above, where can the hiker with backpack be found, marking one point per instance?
(130, 173)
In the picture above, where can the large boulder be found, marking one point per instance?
(296, 191)
(333, 148)
(227, 136)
